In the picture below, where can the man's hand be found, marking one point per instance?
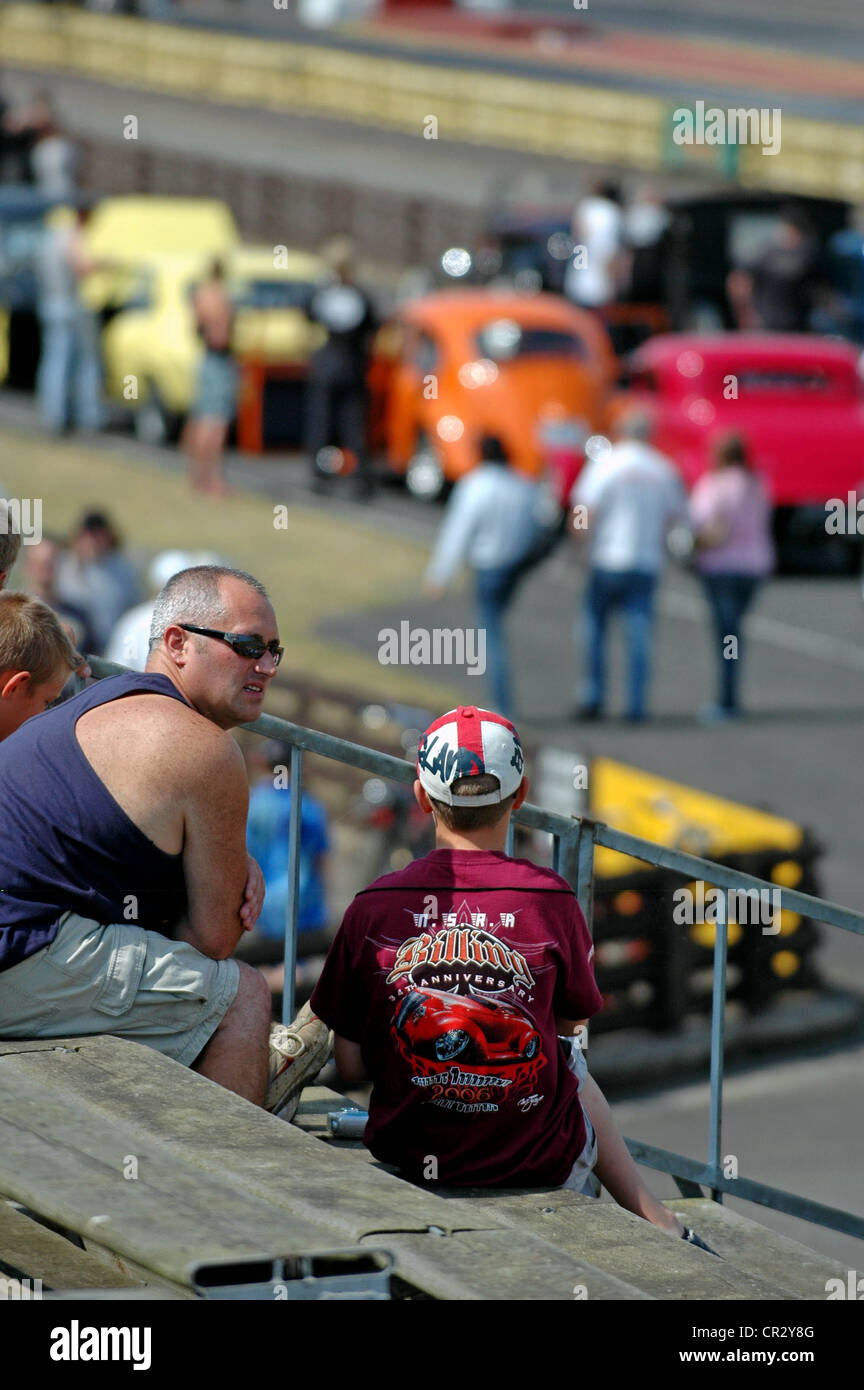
(254, 895)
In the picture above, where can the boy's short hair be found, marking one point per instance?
(469, 818)
(32, 638)
(10, 540)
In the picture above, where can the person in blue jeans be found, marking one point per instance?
(496, 519)
(625, 501)
(69, 379)
(730, 511)
(630, 592)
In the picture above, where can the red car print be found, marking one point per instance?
(444, 1027)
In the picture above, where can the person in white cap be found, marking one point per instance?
(129, 643)
(459, 985)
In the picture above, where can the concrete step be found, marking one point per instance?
(755, 1262)
(757, 1251)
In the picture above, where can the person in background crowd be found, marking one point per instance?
(646, 223)
(777, 291)
(95, 576)
(129, 643)
(267, 831)
(10, 541)
(493, 519)
(730, 513)
(216, 398)
(36, 660)
(592, 276)
(844, 311)
(40, 580)
(337, 394)
(632, 495)
(35, 149)
(70, 364)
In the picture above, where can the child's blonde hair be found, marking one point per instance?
(33, 639)
(10, 539)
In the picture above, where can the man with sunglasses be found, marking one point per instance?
(123, 824)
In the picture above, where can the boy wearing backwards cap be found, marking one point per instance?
(450, 982)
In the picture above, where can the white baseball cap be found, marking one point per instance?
(468, 742)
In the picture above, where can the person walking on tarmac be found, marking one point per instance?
(338, 398)
(216, 397)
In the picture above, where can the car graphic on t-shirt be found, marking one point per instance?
(445, 1027)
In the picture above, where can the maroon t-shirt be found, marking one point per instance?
(449, 975)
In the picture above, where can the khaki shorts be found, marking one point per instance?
(582, 1177)
(119, 979)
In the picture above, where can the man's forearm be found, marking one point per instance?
(216, 945)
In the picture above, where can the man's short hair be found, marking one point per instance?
(10, 540)
(33, 639)
(467, 818)
(492, 449)
(195, 596)
(636, 424)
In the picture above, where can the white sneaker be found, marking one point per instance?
(298, 1051)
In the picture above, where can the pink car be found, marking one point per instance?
(797, 399)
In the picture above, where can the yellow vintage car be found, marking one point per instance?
(132, 232)
(151, 350)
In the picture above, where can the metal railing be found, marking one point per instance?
(574, 840)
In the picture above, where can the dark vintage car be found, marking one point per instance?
(445, 1027)
(707, 236)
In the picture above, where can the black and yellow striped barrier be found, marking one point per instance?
(546, 116)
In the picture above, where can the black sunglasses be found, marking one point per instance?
(252, 648)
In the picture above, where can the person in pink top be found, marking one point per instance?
(730, 512)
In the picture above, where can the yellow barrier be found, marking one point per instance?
(553, 116)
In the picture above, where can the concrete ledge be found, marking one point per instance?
(758, 1251)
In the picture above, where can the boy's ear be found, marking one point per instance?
(521, 794)
(13, 683)
(421, 798)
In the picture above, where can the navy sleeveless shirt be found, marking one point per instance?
(65, 843)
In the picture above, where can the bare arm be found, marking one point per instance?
(215, 861)
(349, 1061)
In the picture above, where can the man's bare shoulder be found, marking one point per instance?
(168, 731)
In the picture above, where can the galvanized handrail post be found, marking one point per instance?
(718, 1030)
(585, 870)
(293, 904)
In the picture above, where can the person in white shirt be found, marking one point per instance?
(629, 497)
(129, 643)
(591, 277)
(494, 519)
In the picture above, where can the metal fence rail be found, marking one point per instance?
(574, 839)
